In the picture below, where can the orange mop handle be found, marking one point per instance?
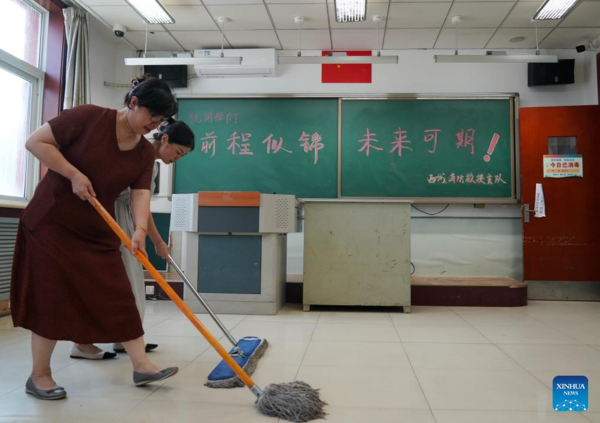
(173, 295)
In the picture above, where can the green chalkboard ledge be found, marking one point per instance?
(355, 200)
(433, 200)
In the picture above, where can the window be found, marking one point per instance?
(562, 145)
(20, 33)
(22, 38)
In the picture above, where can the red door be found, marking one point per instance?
(565, 245)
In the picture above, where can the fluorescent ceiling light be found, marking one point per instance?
(151, 11)
(478, 58)
(322, 60)
(350, 10)
(554, 9)
(166, 61)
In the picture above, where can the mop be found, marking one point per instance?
(246, 352)
(293, 401)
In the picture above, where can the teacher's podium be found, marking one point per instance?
(356, 253)
(234, 248)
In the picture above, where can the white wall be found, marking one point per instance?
(417, 73)
(462, 241)
(106, 65)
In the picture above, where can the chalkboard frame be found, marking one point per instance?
(514, 102)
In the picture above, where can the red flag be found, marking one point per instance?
(347, 73)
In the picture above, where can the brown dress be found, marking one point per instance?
(68, 279)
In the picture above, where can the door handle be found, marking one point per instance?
(526, 212)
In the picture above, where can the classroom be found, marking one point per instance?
(296, 210)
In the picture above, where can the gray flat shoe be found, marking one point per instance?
(141, 379)
(52, 394)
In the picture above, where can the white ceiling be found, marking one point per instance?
(406, 24)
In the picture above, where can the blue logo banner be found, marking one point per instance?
(570, 393)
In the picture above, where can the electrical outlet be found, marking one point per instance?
(149, 290)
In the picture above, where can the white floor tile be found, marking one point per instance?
(439, 316)
(9, 337)
(479, 316)
(173, 327)
(20, 407)
(355, 317)
(274, 331)
(375, 387)
(377, 415)
(459, 364)
(436, 333)
(457, 389)
(355, 354)
(499, 334)
(357, 332)
(6, 323)
(205, 317)
(470, 416)
(177, 348)
(160, 411)
(560, 358)
(585, 333)
(458, 356)
(593, 417)
(289, 313)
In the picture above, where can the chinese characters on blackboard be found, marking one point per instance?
(400, 144)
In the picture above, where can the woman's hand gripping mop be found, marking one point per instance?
(293, 401)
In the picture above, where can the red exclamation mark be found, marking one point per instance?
(495, 139)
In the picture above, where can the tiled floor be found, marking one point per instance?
(438, 364)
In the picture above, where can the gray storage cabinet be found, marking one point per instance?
(357, 252)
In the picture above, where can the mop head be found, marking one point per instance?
(223, 377)
(294, 402)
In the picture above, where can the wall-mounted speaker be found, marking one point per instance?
(175, 75)
(559, 73)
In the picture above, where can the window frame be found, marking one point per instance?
(34, 75)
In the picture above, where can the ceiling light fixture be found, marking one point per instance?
(350, 10)
(171, 61)
(151, 11)
(334, 58)
(340, 57)
(554, 9)
(491, 56)
(191, 61)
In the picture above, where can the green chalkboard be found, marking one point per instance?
(162, 221)
(427, 148)
(276, 145)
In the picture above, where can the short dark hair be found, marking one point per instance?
(179, 133)
(153, 94)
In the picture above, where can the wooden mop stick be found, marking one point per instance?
(178, 301)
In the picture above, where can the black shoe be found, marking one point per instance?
(149, 347)
(102, 355)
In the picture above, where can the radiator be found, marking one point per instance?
(8, 235)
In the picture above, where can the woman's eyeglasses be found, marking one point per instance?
(158, 119)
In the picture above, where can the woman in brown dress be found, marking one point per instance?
(68, 279)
